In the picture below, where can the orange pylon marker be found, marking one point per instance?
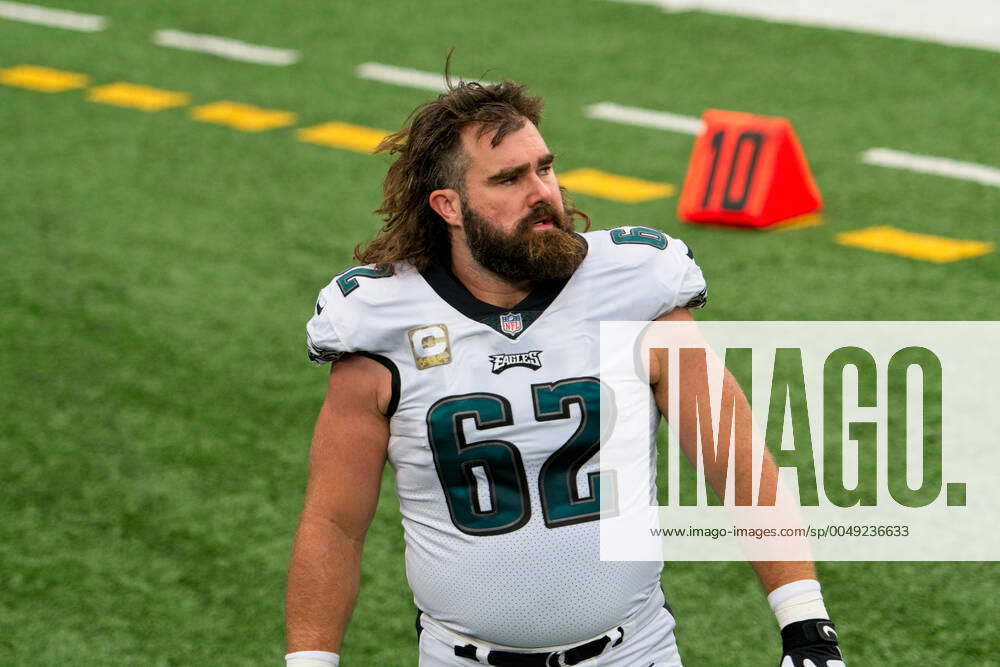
(747, 170)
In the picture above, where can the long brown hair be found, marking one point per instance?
(430, 157)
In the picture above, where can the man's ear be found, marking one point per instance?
(448, 204)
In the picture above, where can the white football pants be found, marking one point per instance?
(652, 645)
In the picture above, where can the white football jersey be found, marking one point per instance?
(495, 432)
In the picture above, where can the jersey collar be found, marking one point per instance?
(454, 293)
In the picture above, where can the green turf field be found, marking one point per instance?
(157, 273)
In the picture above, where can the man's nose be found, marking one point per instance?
(539, 191)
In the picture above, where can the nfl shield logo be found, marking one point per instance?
(511, 323)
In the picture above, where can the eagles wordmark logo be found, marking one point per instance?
(502, 362)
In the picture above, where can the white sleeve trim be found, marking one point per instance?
(323, 339)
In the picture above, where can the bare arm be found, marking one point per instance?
(345, 470)
(772, 574)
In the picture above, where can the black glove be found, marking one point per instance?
(811, 643)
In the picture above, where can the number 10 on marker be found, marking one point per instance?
(747, 170)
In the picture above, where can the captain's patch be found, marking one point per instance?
(430, 345)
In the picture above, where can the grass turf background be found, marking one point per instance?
(157, 271)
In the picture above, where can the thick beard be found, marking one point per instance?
(527, 253)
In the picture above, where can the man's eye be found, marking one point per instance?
(547, 169)
(509, 181)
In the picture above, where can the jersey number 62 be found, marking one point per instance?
(463, 466)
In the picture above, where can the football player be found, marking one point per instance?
(465, 354)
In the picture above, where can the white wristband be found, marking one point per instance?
(312, 659)
(797, 601)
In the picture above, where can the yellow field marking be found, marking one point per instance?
(245, 117)
(800, 222)
(341, 135)
(926, 247)
(45, 79)
(134, 96)
(618, 188)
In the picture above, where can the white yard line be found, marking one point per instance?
(226, 48)
(971, 23)
(56, 18)
(928, 164)
(403, 76)
(661, 120)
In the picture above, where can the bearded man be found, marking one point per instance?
(465, 353)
